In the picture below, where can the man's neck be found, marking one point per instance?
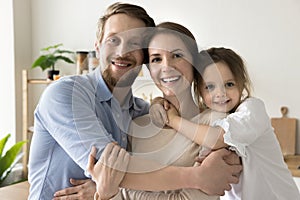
(120, 93)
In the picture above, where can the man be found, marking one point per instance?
(78, 112)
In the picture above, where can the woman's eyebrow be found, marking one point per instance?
(176, 50)
(155, 54)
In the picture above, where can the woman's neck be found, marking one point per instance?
(185, 105)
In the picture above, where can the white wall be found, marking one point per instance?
(266, 33)
(7, 84)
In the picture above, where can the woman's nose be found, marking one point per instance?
(167, 64)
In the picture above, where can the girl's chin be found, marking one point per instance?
(224, 110)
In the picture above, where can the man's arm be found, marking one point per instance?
(213, 176)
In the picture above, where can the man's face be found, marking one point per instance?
(120, 50)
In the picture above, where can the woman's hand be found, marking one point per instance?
(109, 171)
(81, 190)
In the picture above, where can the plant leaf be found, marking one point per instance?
(7, 160)
(64, 51)
(2, 143)
(7, 172)
(66, 59)
(51, 47)
(44, 61)
(49, 58)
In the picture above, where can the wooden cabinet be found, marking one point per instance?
(27, 129)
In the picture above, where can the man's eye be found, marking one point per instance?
(138, 44)
(113, 40)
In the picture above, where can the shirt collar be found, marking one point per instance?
(104, 94)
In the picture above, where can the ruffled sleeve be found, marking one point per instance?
(245, 125)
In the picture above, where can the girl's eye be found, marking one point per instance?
(229, 84)
(210, 87)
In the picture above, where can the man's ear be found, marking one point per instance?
(97, 48)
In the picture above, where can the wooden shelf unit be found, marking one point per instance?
(27, 131)
(293, 163)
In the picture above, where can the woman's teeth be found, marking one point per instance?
(171, 79)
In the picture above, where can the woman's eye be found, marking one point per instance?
(155, 60)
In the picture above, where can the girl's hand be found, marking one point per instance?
(158, 112)
(172, 112)
(109, 171)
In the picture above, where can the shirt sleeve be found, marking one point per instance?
(245, 125)
(67, 113)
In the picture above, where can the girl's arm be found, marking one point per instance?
(208, 136)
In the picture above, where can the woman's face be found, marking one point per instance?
(220, 91)
(170, 64)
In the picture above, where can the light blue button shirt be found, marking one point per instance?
(74, 114)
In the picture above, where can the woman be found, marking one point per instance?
(172, 55)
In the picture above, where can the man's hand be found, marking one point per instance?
(215, 175)
(81, 190)
(109, 171)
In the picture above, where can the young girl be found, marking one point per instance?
(225, 87)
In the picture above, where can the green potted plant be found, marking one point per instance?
(50, 55)
(8, 161)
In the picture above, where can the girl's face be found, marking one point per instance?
(170, 64)
(220, 91)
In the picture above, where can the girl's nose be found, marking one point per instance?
(220, 92)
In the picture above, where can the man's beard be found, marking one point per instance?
(125, 81)
(108, 78)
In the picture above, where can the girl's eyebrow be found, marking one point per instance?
(230, 80)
